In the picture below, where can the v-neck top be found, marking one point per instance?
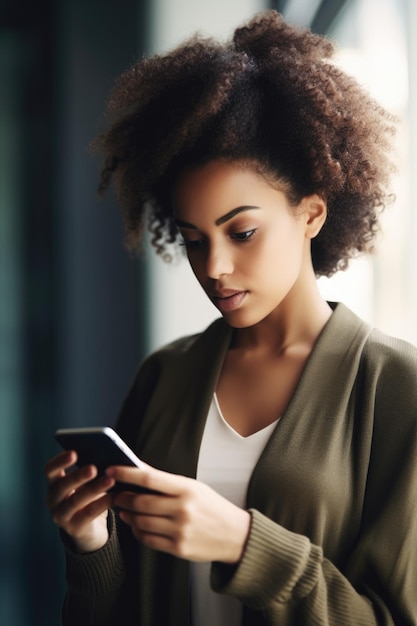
(225, 463)
(226, 458)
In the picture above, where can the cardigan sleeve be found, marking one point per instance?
(94, 582)
(286, 577)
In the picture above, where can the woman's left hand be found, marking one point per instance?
(189, 519)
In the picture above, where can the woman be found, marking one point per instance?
(283, 439)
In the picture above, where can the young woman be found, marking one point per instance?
(282, 439)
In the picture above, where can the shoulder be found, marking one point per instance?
(188, 356)
(385, 369)
(380, 353)
(389, 368)
(391, 357)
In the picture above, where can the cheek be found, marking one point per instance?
(197, 264)
(275, 248)
(281, 254)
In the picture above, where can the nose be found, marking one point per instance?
(219, 261)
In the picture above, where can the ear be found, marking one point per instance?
(314, 210)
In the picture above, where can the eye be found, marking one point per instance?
(192, 244)
(244, 236)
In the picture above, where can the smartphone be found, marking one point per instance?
(102, 447)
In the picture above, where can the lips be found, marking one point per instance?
(228, 300)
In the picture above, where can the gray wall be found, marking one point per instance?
(71, 323)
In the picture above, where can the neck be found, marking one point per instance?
(294, 325)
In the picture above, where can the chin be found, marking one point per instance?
(240, 321)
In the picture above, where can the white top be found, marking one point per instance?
(226, 462)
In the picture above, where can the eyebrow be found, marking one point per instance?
(220, 220)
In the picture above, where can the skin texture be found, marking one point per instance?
(190, 520)
(78, 504)
(262, 251)
(251, 253)
(243, 237)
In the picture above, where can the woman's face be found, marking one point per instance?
(247, 247)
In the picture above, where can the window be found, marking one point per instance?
(372, 39)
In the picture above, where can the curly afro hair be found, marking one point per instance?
(272, 96)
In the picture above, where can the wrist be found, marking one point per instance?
(84, 545)
(239, 537)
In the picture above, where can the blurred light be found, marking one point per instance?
(382, 69)
(301, 12)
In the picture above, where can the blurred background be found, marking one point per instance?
(77, 313)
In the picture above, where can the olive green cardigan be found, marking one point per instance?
(333, 539)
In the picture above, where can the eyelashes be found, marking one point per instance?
(240, 237)
(191, 243)
(245, 235)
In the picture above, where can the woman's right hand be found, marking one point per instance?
(78, 501)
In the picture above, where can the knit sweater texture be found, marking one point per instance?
(333, 497)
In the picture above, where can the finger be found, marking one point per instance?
(160, 543)
(151, 478)
(154, 525)
(55, 468)
(156, 533)
(85, 516)
(147, 504)
(143, 525)
(62, 488)
(81, 501)
(96, 507)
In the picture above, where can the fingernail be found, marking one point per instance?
(107, 482)
(88, 471)
(110, 472)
